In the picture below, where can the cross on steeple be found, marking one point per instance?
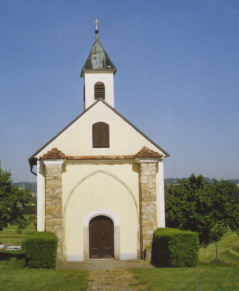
(96, 24)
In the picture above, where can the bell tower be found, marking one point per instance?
(98, 75)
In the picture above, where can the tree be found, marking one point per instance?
(209, 209)
(12, 200)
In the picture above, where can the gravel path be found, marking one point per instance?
(120, 280)
(108, 275)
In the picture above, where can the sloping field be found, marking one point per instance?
(225, 247)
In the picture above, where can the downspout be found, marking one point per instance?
(31, 167)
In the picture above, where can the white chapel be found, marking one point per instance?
(100, 181)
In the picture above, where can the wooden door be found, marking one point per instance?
(101, 239)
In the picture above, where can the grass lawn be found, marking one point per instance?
(14, 276)
(42, 280)
(187, 279)
(205, 277)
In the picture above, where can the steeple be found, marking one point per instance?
(98, 58)
(98, 72)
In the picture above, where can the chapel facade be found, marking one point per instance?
(100, 181)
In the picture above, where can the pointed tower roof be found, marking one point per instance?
(98, 60)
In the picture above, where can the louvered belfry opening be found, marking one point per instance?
(99, 90)
(101, 135)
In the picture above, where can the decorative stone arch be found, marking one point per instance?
(98, 212)
(106, 173)
(116, 221)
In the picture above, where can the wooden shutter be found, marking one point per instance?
(99, 90)
(101, 136)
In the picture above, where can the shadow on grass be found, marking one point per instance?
(8, 255)
(12, 260)
(212, 264)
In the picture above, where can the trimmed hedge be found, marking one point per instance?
(41, 248)
(175, 248)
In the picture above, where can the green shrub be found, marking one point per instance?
(175, 248)
(41, 248)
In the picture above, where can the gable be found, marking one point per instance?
(76, 139)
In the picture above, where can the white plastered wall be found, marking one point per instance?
(76, 140)
(40, 196)
(110, 187)
(160, 195)
(89, 82)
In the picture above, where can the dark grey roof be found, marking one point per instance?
(32, 159)
(98, 59)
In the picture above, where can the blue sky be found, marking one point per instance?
(177, 76)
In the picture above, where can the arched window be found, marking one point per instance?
(99, 90)
(101, 135)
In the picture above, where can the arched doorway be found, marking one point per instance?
(101, 237)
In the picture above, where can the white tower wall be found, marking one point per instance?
(89, 82)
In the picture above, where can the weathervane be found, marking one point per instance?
(96, 26)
